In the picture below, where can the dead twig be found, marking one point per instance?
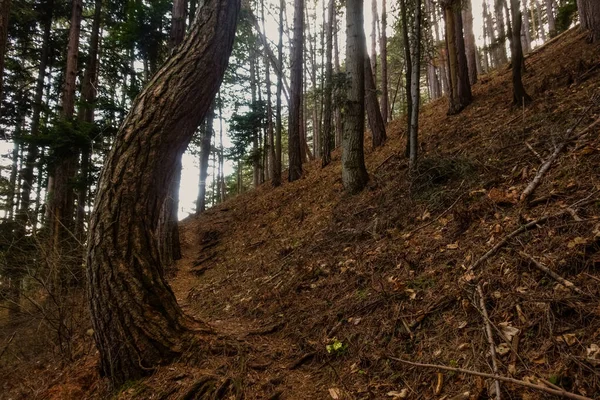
(7, 344)
(556, 392)
(490, 339)
(545, 167)
(535, 153)
(526, 227)
(553, 274)
(442, 214)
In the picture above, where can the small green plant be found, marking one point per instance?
(336, 347)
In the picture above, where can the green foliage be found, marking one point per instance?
(565, 15)
(336, 347)
(244, 129)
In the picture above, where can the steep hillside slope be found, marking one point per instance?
(312, 291)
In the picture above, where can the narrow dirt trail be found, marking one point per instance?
(267, 364)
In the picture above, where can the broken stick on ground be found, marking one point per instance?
(556, 392)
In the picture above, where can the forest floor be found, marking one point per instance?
(315, 290)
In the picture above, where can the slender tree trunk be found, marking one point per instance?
(137, 322)
(373, 58)
(205, 149)
(354, 172)
(385, 97)
(501, 57)
(4, 21)
(525, 31)
(550, 15)
(61, 193)
(328, 92)
(295, 120)
(470, 45)
(278, 122)
(376, 123)
(408, 66)
(86, 115)
(339, 123)
(415, 88)
(177, 23)
(520, 96)
(538, 9)
(589, 15)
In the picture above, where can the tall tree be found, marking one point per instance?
(526, 31)
(295, 140)
(354, 172)
(177, 23)
(520, 96)
(460, 90)
(4, 15)
(374, 117)
(374, 23)
(589, 15)
(470, 45)
(385, 99)
(550, 16)
(86, 115)
(137, 322)
(408, 68)
(61, 191)
(415, 88)
(328, 92)
(276, 181)
(205, 148)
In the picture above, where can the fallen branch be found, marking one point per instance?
(490, 339)
(526, 227)
(545, 167)
(7, 344)
(556, 392)
(553, 274)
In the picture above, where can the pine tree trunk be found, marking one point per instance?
(550, 15)
(177, 23)
(500, 44)
(408, 66)
(415, 89)
(542, 31)
(385, 97)
(205, 149)
(328, 90)
(4, 21)
(526, 32)
(295, 140)
(86, 115)
(374, 117)
(589, 15)
(270, 132)
(278, 121)
(470, 45)
(354, 172)
(520, 96)
(137, 322)
(373, 58)
(61, 193)
(339, 122)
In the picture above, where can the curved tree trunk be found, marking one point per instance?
(137, 322)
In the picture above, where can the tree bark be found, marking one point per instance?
(408, 66)
(328, 92)
(86, 115)
(415, 89)
(520, 96)
(278, 122)
(137, 322)
(4, 21)
(295, 120)
(373, 58)
(470, 45)
(205, 148)
(589, 15)
(376, 123)
(500, 44)
(385, 97)
(526, 31)
(551, 19)
(177, 23)
(61, 193)
(354, 172)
